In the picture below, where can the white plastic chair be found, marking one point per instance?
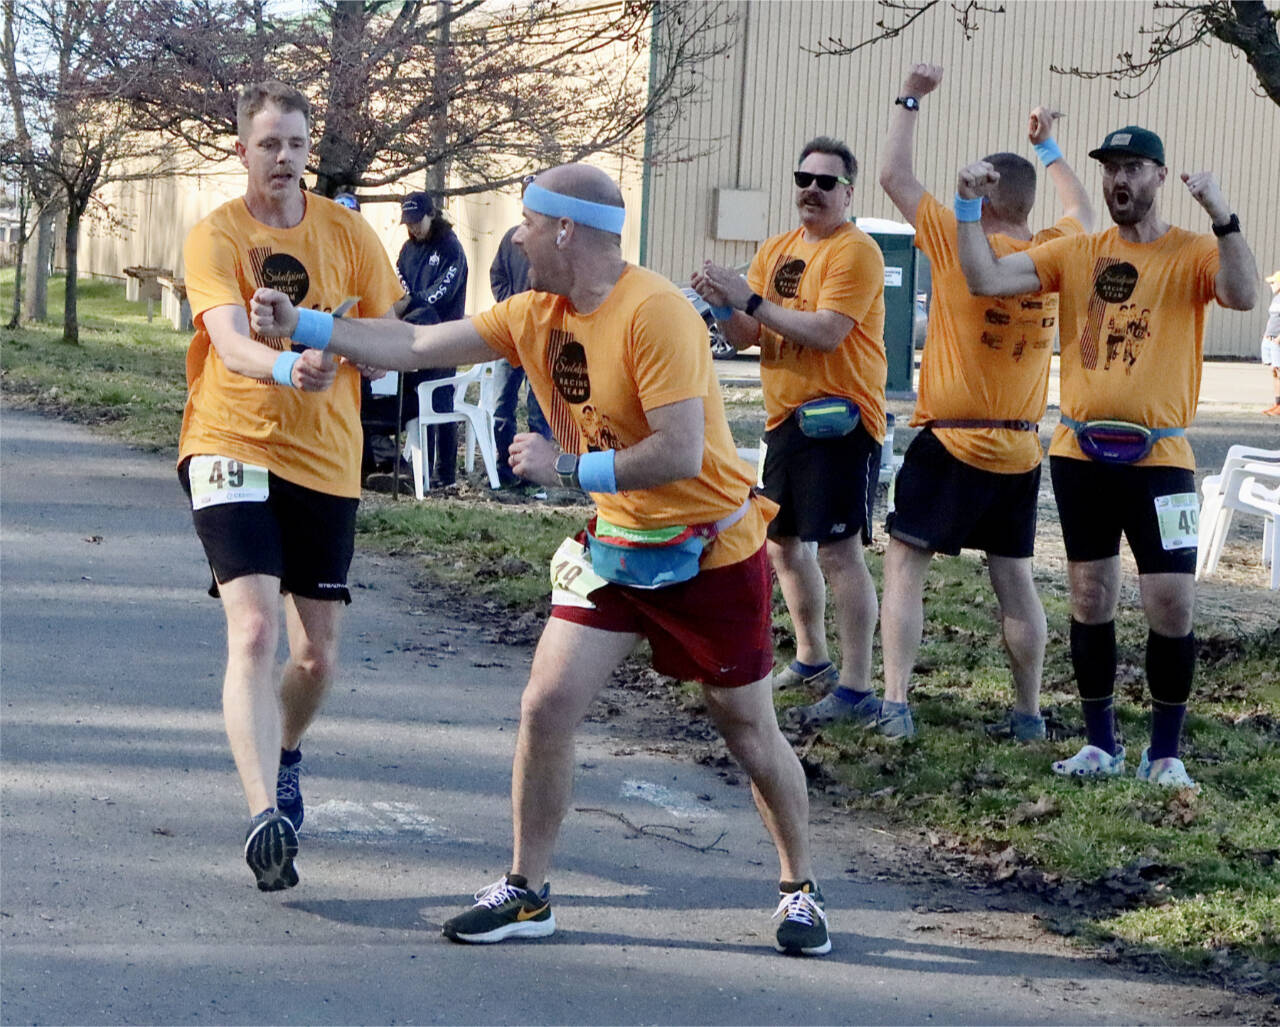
(1263, 499)
(477, 416)
(1222, 496)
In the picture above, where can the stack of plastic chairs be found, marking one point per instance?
(1249, 483)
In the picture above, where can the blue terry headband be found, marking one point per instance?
(584, 212)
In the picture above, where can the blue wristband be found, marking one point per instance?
(282, 369)
(595, 471)
(1048, 152)
(314, 329)
(720, 313)
(968, 210)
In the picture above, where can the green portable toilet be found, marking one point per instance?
(897, 242)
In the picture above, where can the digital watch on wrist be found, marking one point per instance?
(567, 470)
(753, 304)
(909, 102)
(1232, 225)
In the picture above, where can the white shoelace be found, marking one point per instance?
(494, 895)
(799, 905)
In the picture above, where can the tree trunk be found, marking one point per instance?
(70, 322)
(24, 214)
(37, 304)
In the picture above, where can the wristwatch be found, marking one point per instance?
(1231, 226)
(567, 470)
(909, 102)
(753, 304)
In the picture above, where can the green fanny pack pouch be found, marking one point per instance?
(645, 557)
(831, 417)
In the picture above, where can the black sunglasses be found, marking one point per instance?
(825, 182)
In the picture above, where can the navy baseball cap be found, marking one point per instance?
(1131, 141)
(415, 207)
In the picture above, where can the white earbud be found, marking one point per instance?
(560, 238)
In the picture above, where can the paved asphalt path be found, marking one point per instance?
(124, 898)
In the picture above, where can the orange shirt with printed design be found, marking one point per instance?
(596, 374)
(985, 357)
(312, 439)
(1132, 332)
(845, 273)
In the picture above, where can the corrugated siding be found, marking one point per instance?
(1203, 103)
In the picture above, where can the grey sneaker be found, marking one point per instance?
(897, 725)
(1021, 727)
(820, 681)
(832, 709)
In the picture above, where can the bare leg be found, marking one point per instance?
(313, 626)
(746, 719)
(1023, 627)
(854, 596)
(902, 618)
(570, 667)
(250, 697)
(805, 593)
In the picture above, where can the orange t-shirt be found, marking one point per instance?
(312, 439)
(985, 357)
(596, 374)
(1132, 331)
(845, 273)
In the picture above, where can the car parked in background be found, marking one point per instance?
(720, 346)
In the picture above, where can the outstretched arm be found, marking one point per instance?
(1236, 286)
(395, 345)
(228, 328)
(1071, 193)
(985, 275)
(817, 329)
(897, 167)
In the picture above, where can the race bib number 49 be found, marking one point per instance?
(1179, 519)
(220, 479)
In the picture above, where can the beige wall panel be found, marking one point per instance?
(1202, 104)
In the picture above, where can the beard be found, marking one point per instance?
(1135, 211)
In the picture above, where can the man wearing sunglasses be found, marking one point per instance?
(1119, 460)
(971, 477)
(813, 301)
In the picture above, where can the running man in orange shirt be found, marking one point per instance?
(270, 453)
(1119, 459)
(814, 302)
(971, 477)
(618, 360)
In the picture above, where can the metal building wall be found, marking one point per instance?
(768, 96)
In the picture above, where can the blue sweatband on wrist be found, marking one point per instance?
(282, 369)
(720, 313)
(1048, 152)
(603, 216)
(314, 329)
(595, 471)
(968, 210)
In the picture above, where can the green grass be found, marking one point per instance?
(1203, 870)
(123, 371)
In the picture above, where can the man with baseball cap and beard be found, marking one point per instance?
(1120, 461)
(619, 360)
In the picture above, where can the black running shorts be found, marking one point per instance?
(944, 505)
(1098, 502)
(824, 487)
(303, 537)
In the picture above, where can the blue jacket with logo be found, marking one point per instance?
(435, 276)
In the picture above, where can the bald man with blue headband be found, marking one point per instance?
(618, 360)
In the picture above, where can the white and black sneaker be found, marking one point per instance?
(270, 848)
(508, 908)
(803, 931)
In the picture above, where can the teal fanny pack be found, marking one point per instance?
(652, 557)
(831, 417)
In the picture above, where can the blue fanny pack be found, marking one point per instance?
(1117, 442)
(831, 417)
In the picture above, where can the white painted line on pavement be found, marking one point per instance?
(681, 805)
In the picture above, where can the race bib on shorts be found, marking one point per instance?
(221, 479)
(1179, 519)
(572, 579)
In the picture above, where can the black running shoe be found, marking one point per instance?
(289, 792)
(505, 909)
(269, 849)
(803, 931)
